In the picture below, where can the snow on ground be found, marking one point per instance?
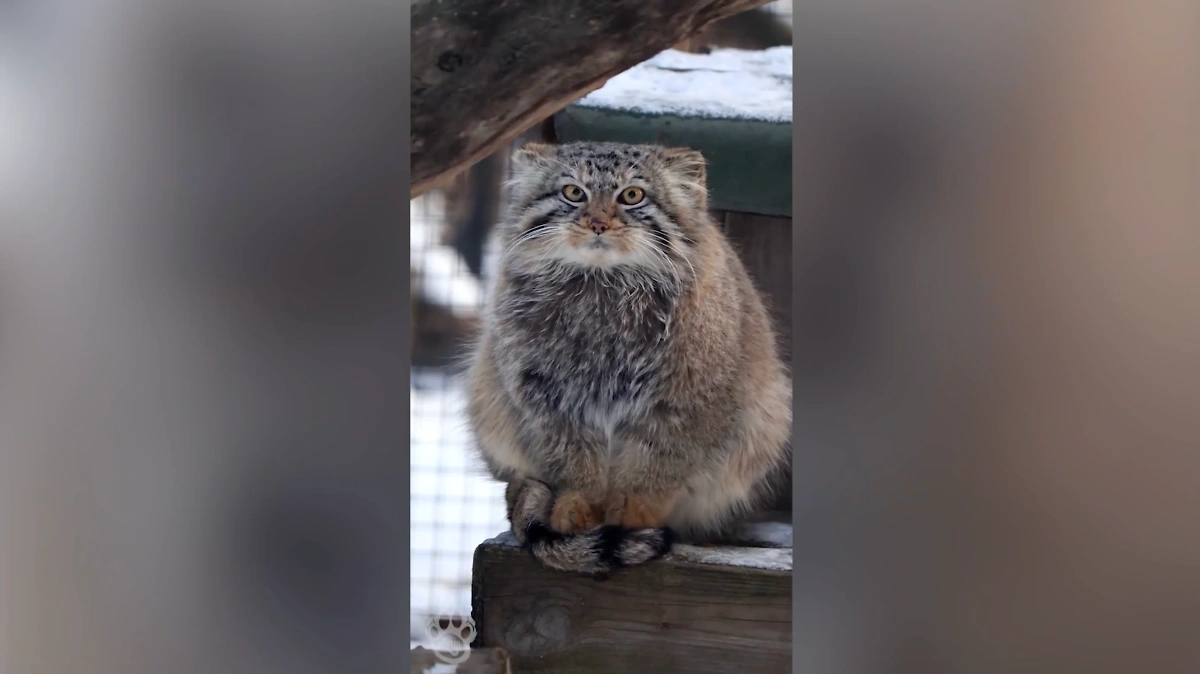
(441, 274)
(725, 84)
(455, 506)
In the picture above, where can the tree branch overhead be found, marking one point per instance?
(485, 70)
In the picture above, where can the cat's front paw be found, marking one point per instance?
(573, 513)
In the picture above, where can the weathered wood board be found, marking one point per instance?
(699, 610)
(478, 661)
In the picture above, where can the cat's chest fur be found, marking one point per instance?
(587, 348)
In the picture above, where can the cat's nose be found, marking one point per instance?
(598, 226)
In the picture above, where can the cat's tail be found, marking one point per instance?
(596, 551)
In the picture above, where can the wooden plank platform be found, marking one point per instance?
(716, 610)
(477, 661)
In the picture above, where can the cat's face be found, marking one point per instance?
(605, 205)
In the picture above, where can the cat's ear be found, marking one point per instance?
(687, 164)
(532, 154)
(688, 168)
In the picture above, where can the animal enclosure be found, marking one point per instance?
(455, 505)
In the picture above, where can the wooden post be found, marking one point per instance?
(701, 610)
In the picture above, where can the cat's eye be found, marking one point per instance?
(631, 196)
(573, 193)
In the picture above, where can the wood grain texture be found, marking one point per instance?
(668, 616)
(483, 71)
(479, 661)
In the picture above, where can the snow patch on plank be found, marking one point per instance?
(454, 501)
(775, 559)
(505, 538)
(724, 84)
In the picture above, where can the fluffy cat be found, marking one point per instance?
(626, 384)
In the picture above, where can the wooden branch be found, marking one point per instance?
(483, 71)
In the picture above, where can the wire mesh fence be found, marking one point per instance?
(455, 505)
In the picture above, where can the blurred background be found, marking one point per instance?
(455, 505)
(996, 354)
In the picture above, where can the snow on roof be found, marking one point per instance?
(724, 84)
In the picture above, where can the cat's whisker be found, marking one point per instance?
(644, 244)
(654, 257)
(671, 244)
(562, 164)
(532, 233)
